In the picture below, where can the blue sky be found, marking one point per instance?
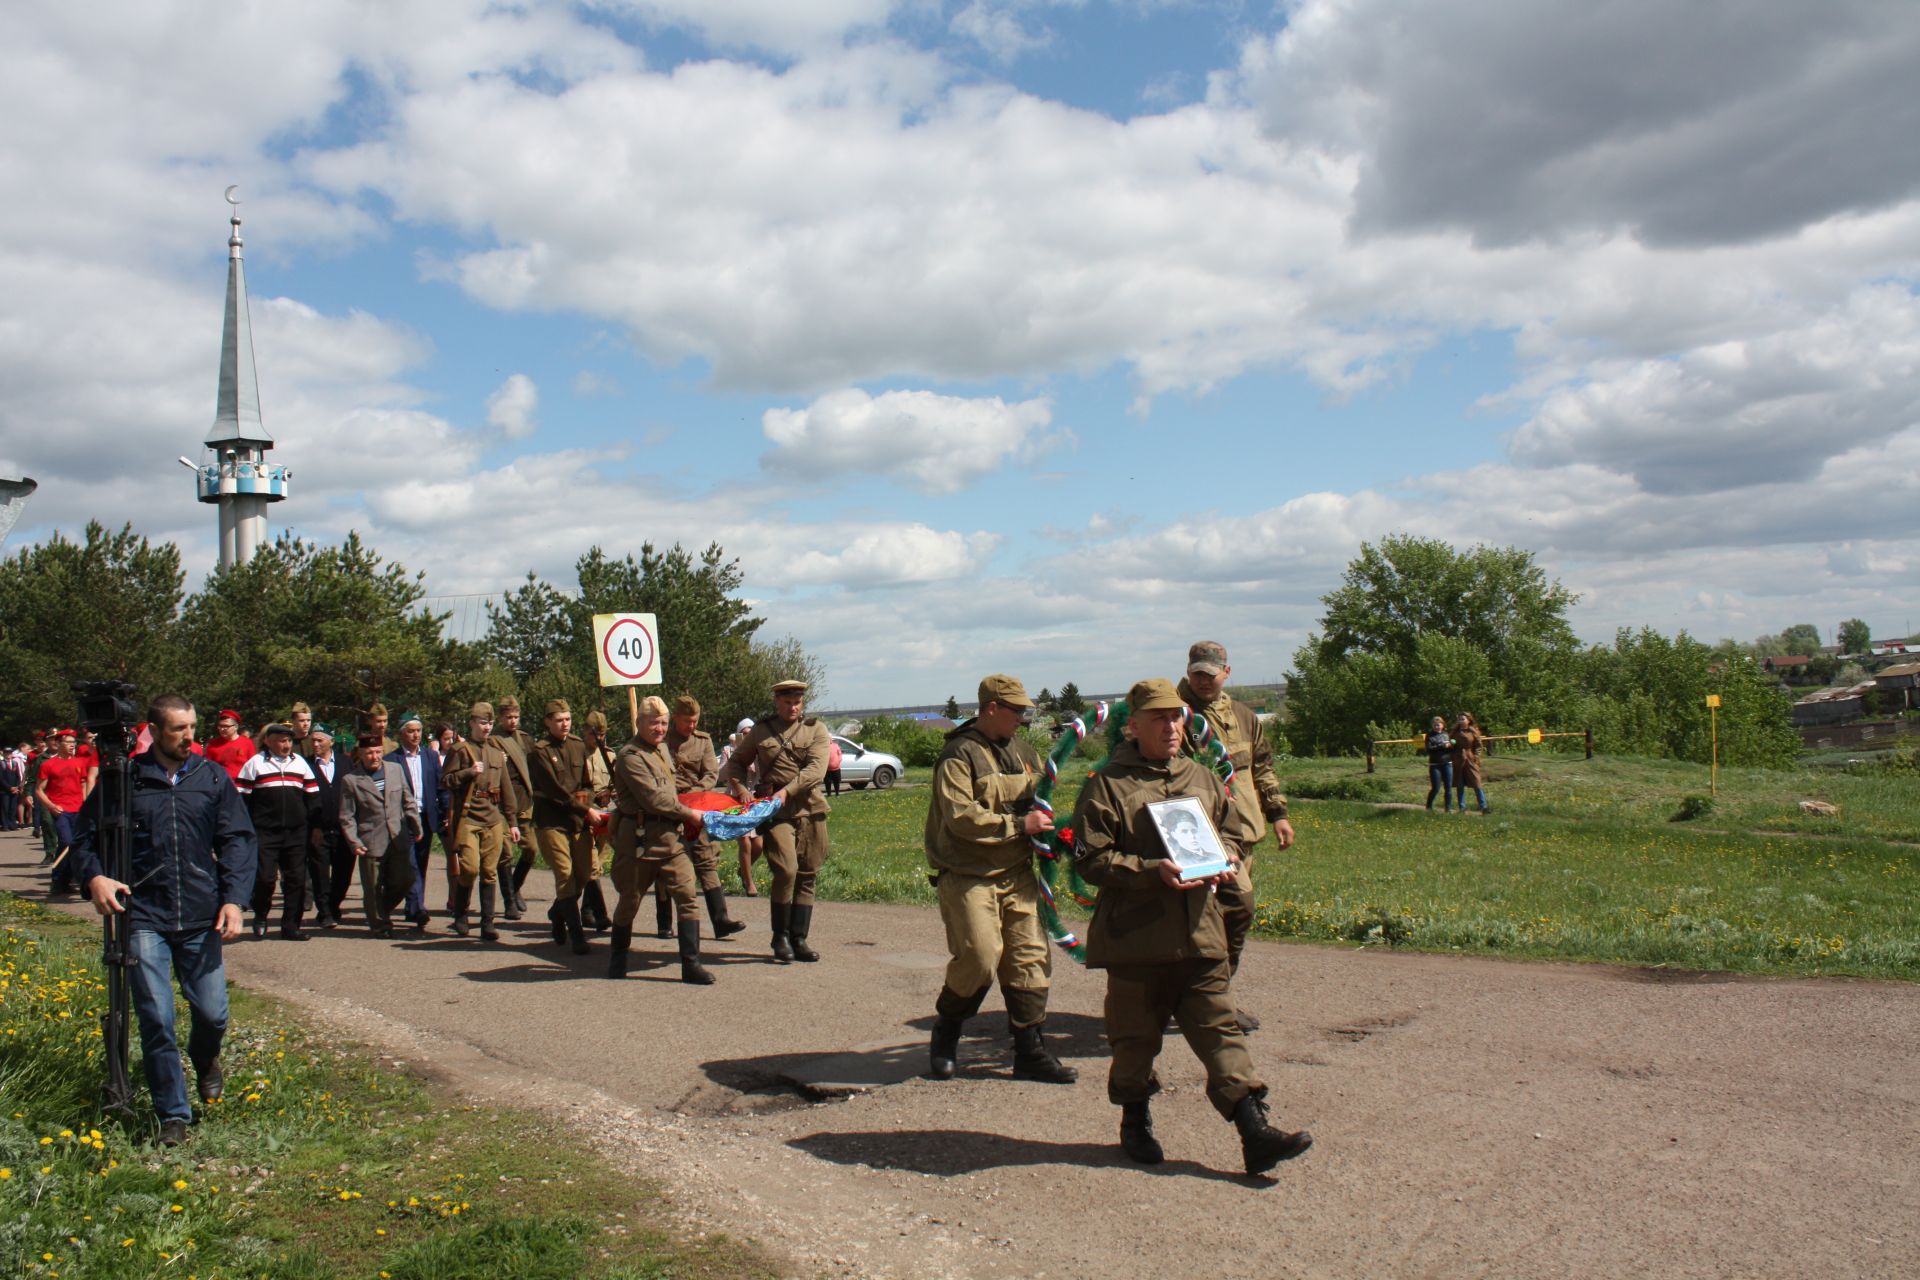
(1010, 334)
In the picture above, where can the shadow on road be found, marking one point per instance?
(949, 1153)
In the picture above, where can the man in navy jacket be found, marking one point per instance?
(193, 865)
(421, 768)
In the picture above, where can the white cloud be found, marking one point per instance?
(512, 406)
(777, 25)
(936, 443)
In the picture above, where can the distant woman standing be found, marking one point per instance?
(1467, 741)
(1439, 765)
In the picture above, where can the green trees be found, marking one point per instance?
(1855, 636)
(1647, 695)
(709, 642)
(1068, 701)
(1800, 640)
(952, 710)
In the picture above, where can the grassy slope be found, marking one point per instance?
(1579, 860)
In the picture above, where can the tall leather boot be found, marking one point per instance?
(617, 959)
(462, 899)
(1136, 1134)
(570, 922)
(691, 970)
(487, 895)
(558, 922)
(724, 926)
(801, 925)
(593, 908)
(951, 1013)
(1031, 1061)
(662, 913)
(1262, 1145)
(782, 913)
(516, 902)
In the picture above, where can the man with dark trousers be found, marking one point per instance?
(1161, 938)
(980, 820)
(786, 752)
(329, 859)
(284, 802)
(381, 821)
(1256, 789)
(420, 768)
(518, 744)
(193, 857)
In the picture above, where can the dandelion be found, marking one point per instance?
(179, 1184)
(176, 1209)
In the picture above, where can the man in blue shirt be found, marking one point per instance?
(193, 864)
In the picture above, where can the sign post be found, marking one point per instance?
(1713, 717)
(627, 648)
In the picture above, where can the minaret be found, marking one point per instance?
(234, 473)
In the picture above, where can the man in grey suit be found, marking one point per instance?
(381, 821)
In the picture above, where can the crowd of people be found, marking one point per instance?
(248, 819)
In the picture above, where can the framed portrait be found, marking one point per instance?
(1187, 834)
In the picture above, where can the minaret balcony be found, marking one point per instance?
(242, 480)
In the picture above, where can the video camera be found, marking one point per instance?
(107, 710)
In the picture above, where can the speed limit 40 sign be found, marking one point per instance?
(627, 646)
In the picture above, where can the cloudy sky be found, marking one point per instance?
(1037, 335)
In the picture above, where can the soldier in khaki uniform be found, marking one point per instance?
(375, 721)
(593, 903)
(1162, 939)
(518, 744)
(696, 768)
(1256, 792)
(480, 816)
(649, 842)
(979, 820)
(561, 795)
(789, 749)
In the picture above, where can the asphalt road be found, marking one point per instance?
(1471, 1116)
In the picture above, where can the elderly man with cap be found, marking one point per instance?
(787, 751)
(1162, 939)
(1256, 789)
(980, 819)
(518, 744)
(480, 816)
(562, 808)
(649, 842)
(283, 799)
(420, 766)
(696, 768)
(381, 821)
(329, 858)
(593, 902)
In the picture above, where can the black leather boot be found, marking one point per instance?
(462, 899)
(513, 906)
(943, 1055)
(1136, 1134)
(1261, 1144)
(797, 931)
(1031, 1061)
(570, 923)
(488, 893)
(663, 915)
(593, 908)
(691, 970)
(557, 920)
(617, 960)
(724, 926)
(782, 920)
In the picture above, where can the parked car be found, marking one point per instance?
(860, 765)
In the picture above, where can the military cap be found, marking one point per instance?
(412, 717)
(557, 707)
(480, 711)
(370, 739)
(1209, 656)
(509, 703)
(227, 713)
(1153, 695)
(1004, 689)
(596, 721)
(299, 707)
(790, 686)
(377, 710)
(684, 703)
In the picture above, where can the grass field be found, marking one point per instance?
(317, 1163)
(1579, 860)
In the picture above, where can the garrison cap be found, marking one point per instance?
(1209, 656)
(790, 686)
(596, 721)
(1154, 695)
(480, 711)
(509, 703)
(377, 710)
(557, 707)
(684, 703)
(1004, 689)
(299, 707)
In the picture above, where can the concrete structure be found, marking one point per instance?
(14, 492)
(233, 473)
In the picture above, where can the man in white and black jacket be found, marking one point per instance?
(283, 799)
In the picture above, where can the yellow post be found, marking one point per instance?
(1713, 718)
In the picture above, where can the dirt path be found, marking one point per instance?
(1471, 1117)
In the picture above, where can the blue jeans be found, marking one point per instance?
(194, 957)
(1440, 783)
(63, 824)
(1460, 790)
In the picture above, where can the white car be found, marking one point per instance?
(860, 765)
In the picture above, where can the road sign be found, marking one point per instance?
(1713, 699)
(627, 648)
(1534, 737)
